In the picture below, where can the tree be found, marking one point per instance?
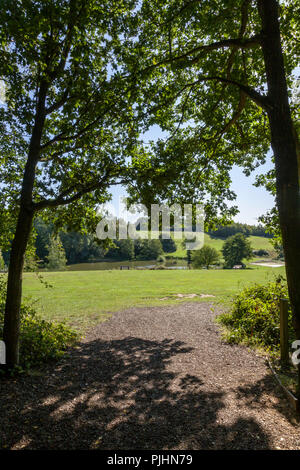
(168, 244)
(56, 255)
(80, 247)
(228, 230)
(126, 248)
(235, 249)
(122, 249)
(67, 127)
(221, 85)
(43, 236)
(148, 249)
(206, 256)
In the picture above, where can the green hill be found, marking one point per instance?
(257, 243)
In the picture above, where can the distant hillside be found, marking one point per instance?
(257, 243)
(228, 230)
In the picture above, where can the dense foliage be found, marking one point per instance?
(225, 231)
(56, 259)
(206, 256)
(2, 263)
(40, 340)
(168, 244)
(255, 316)
(80, 248)
(236, 249)
(148, 249)
(122, 249)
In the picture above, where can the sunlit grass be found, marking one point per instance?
(83, 298)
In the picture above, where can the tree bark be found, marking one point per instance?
(14, 287)
(285, 151)
(11, 330)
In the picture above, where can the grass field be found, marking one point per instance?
(83, 298)
(257, 243)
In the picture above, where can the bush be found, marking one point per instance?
(255, 316)
(206, 256)
(261, 252)
(40, 340)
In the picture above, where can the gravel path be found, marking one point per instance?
(150, 378)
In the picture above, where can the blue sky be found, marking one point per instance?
(252, 201)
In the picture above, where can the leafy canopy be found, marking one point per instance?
(202, 80)
(69, 112)
(235, 249)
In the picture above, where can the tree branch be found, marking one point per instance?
(236, 115)
(240, 43)
(62, 200)
(261, 100)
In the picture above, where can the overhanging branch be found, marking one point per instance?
(240, 43)
(261, 100)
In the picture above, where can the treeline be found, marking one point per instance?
(247, 230)
(78, 248)
(57, 250)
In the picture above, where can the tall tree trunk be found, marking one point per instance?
(285, 151)
(11, 331)
(14, 287)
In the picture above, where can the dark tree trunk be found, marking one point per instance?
(14, 287)
(285, 151)
(11, 331)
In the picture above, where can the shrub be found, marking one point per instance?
(255, 316)
(261, 252)
(40, 340)
(206, 256)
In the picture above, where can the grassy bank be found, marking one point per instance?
(258, 243)
(83, 298)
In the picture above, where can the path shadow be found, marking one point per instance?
(119, 394)
(255, 395)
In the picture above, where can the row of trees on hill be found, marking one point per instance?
(229, 230)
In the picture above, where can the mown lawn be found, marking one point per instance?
(83, 298)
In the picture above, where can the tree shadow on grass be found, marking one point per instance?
(119, 394)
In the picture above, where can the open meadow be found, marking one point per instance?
(84, 298)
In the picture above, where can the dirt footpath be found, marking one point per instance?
(150, 378)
